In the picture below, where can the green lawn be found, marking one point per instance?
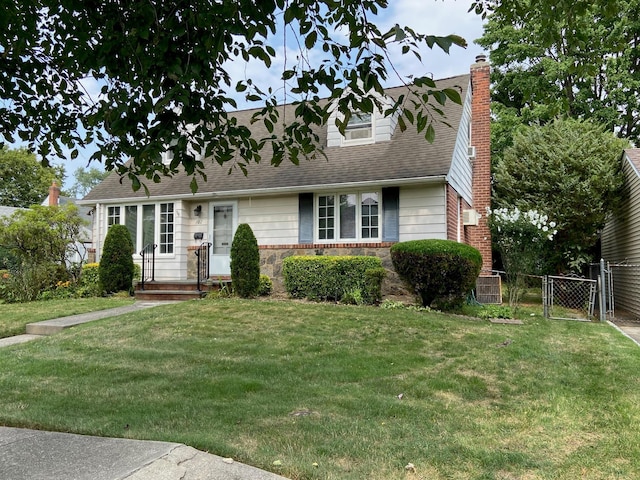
(311, 391)
(15, 316)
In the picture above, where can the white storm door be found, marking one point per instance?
(223, 227)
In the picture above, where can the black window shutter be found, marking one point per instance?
(391, 214)
(305, 218)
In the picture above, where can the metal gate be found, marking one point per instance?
(569, 298)
(627, 287)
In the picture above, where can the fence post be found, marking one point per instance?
(545, 300)
(603, 292)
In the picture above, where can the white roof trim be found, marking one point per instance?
(272, 191)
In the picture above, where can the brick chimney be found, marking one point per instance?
(54, 194)
(480, 236)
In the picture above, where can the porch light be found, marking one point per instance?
(197, 211)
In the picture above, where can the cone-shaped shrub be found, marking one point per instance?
(441, 272)
(245, 262)
(116, 263)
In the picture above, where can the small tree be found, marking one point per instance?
(245, 262)
(116, 264)
(521, 238)
(36, 243)
(571, 171)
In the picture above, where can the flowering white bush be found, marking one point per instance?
(519, 223)
(520, 237)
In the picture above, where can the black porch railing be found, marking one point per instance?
(202, 262)
(148, 272)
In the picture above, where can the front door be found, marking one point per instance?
(223, 226)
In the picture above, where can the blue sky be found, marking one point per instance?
(436, 17)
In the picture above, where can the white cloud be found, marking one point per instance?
(436, 17)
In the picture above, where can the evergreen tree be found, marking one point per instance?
(245, 262)
(116, 264)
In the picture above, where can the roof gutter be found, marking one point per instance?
(437, 179)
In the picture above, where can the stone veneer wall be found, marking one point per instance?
(192, 264)
(271, 257)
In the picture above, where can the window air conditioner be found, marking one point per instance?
(470, 218)
(471, 152)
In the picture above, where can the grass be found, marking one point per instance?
(14, 317)
(287, 386)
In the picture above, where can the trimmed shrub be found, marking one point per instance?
(333, 278)
(116, 264)
(373, 278)
(245, 262)
(89, 282)
(441, 272)
(266, 285)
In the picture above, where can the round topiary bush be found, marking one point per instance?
(439, 271)
(116, 264)
(245, 262)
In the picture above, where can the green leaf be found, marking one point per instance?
(430, 134)
(310, 40)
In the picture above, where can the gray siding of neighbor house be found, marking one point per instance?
(621, 240)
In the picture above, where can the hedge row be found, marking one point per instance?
(357, 279)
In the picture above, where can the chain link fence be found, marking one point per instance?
(563, 297)
(569, 297)
(622, 287)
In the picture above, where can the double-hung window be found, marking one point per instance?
(166, 228)
(147, 224)
(113, 216)
(348, 216)
(359, 129)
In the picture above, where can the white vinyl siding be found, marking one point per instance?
(461, 173)
(170, 264)
(274, 220)
(621, 244)
(422, 213)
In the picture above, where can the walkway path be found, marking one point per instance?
(49, 327)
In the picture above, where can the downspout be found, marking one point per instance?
(98, 220)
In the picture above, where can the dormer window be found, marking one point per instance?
(360, 128)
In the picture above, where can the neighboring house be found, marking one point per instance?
(377, 186)
(621, 239)
(8, 211)
(77, 254)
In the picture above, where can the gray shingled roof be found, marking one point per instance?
(8, 211)
(408, 155)
(634, 156)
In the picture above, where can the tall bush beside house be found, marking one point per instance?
(441, 272)
(116, 264)
(522, 239)
(245, 262)
(37, 243)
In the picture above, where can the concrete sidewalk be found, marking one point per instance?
(37, 455)
(49, 327)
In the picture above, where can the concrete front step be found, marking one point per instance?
(184, 285)
(162, 295)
